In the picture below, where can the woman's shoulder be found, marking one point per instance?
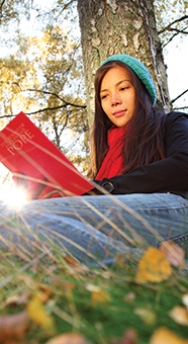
(175, 122)
(175, 115)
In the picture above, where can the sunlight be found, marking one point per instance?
(12, 196)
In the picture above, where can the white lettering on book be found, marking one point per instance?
(16, 141)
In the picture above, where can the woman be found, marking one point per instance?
(140, 163)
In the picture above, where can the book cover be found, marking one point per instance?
(37, 163)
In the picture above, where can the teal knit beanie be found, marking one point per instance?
(139, 69)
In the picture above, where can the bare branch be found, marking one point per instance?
(41, 110)
(57, 96)
(180, 95)
(179, 31)
(2, 3)
(170, 39)
(180, 108)
(166, 28)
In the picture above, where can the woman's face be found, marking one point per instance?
(118, 96)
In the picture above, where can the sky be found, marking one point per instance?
(175, 56)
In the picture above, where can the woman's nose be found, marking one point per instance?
(115, 99)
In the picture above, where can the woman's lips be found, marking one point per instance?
(119, 113)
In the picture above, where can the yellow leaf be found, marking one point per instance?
(68, 338)
(99, 296)
(179, 315)
(164, 336)
(153, 267)
(146, 315)
(36, 312)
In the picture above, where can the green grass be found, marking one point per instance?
(70, 298)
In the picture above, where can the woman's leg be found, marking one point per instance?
(33, 232)
(135, 220)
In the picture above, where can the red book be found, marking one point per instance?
(37, 163)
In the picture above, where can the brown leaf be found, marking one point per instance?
(73, 265)
(173, 253)
(72, 262)
(130, 337)
(153, 266)
(17, 299)
(14, 325)
(164, 336)
(68, 338)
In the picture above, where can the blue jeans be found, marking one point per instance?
(95, 228)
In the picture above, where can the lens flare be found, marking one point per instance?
(13, 196)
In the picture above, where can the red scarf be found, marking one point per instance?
(112, 164)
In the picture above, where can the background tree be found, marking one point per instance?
(43, 78)
(111, 27)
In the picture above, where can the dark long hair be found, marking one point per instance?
(143, 143)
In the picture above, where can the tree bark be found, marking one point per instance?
(118, 26)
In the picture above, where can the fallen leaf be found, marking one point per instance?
(120, 260)
(99, 296)
(179, 315)
(73, 266)
(185, 300)
(17, 299)
(71, 261)
(147, 315)
(130, 297)
(173, 253)
(14, 325)
(37, 313)
(44, 294)
(164, 336)
(68, 338)
(92, 287)
(64, 285)
(12, 342)
(129, 337)
(153, 267)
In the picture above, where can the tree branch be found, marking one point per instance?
(180, 108)
(179, 31)
(40, 110)
(170, 39)
(174, 22)
(57, 96)
(180, 95)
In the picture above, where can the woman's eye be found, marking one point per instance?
(104, 96)
(124, 88)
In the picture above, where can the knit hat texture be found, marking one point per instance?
(139, 69)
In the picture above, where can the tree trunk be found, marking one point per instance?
(118, 26)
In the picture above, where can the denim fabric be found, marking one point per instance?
(99, 227)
